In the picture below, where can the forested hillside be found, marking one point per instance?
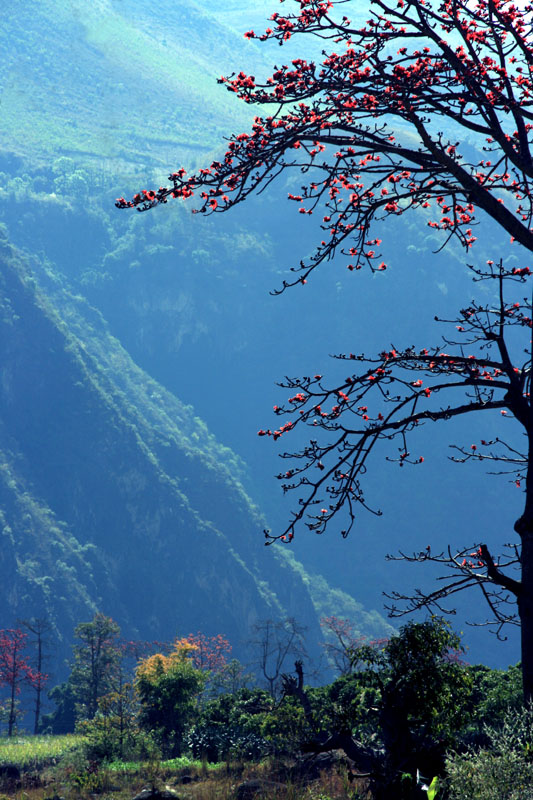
(115, 495)
(142, 330)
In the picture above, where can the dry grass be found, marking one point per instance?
(265, 781)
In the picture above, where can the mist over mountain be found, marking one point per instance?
(140, 352)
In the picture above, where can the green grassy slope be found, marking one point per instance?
(110, 81)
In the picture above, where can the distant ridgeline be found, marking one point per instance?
(113, 496)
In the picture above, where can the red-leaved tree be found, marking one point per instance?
(365, 128)
(210, 653)
(15, 670)
(342, 643)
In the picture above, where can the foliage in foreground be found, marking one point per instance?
(502, 770)
(400, 707)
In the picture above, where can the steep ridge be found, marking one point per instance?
(112, 470)
(106, 467)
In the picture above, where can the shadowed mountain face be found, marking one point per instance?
(114, 495)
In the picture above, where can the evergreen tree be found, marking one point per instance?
(96, 662)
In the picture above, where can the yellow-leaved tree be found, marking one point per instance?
(168, 687)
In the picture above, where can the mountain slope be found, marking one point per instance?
(113, 495)
(101, 464)
(110, 80)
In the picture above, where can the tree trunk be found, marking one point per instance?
(12, 715)
(524, 528)
(525, 608)
(38, 688)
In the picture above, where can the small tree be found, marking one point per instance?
(114, 731)
(168, 688)
(232, 677)
(424, 696)
(341, 641)
(209, 653)
(15, 670)
(39, 627)
(96, 662)
(63, 718)
(273, 643)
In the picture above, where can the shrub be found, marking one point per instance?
(114, 732)
(503, 770)
(229, 726)
(495, 693)
(105, 741)
(216, 742)
(168, 688)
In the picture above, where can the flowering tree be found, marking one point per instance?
(209, 653)
(365, 130)
(366, 124)
(15, 670)
(342, 643)
(385, 402)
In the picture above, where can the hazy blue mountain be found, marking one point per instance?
(112, 82)
(100, 100)
(115, 496)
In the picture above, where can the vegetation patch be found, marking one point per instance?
(34, 752)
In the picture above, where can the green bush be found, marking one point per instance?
(77, 772)
(168, 689)
(114, 732)
(217, 742)
(104, 740)
(229, 726)
(495, 693)
(503, 770)
(285, 728)
(248, 725)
